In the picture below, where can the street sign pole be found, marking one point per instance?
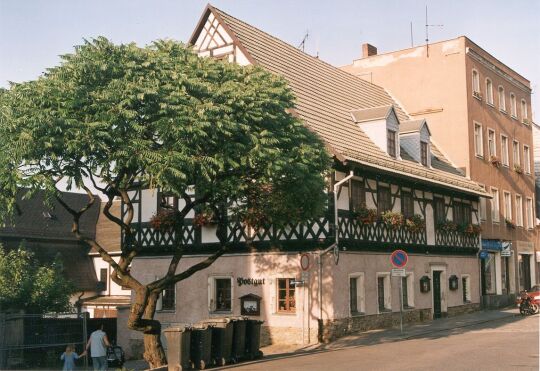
(400, 304)
(399, 259)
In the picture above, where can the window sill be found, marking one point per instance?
(358, 314)
(288, 314)
(479, 156)
(386, 310)
(477, 96)
(503, 111)
(166, 311)
(514, 117)
(490, 104)
(408, 308)
(467, 302)
(219, 312)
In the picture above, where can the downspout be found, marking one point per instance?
(329, 248)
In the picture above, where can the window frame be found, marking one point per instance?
(407, 214)
(513, 106)
(391, 139)
(529, 205)
(505, 154)
(466, 287)
(103, 278)
(212, 293)
(489, 91)
(357, 185)
(387, 292)
(289, 310)
(519, 210)
(526, 159)
(436, 200)
(461, 213)
(507, 212)
(495, 212)
(380, 189)
(524, 111)
(409, 280)
(424, 153)
(360, 294)
(491, 131)
(516, 151)
(502, 99)
(482, 205)
(475, 82)
(478, 140)
(171, 305)
(216, 279)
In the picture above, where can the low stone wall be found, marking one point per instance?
(287, 335)
(498, 301)
(333, 329)
(463, 309)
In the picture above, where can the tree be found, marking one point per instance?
(119, 116)
(26, 283)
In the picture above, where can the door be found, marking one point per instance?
(526, 271)
(436, 294)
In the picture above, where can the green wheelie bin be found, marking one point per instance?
(222, 339)
(201, 346)
(178, 348)
(253, 339)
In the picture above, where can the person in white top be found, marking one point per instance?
(98, 343)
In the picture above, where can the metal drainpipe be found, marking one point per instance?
(321, 253)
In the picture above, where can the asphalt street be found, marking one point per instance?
(510, 343)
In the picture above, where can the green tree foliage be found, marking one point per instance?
(27, 284)
(161, 117)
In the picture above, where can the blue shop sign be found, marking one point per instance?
(483, 254)
(495, 245)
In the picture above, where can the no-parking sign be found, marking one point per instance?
(399, 258)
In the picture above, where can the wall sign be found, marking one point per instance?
(250, 281)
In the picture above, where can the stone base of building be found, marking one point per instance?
(287, 335)
(333, 329)
(497, 301)
(463, 309)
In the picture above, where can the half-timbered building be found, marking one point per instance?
(391, 188)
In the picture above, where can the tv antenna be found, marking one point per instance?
(302, 44)
(427, 32)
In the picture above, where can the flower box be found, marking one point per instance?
(392, 219)
(518, 169)
(415, 223)
(365, 215)
(477, 95)
(495, 161)
(447, 226)
(510, 224)
(165, 219)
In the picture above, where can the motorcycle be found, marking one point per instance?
(527, 304)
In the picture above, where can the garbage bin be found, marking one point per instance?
(222, 339)
(253, 338)
(239, 338)
(201, 346)
(178, 348)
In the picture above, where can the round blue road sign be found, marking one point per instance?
(399, 258)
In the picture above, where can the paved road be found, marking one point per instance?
(506, 344)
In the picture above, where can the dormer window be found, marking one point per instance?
(424, 153)
(391, 142)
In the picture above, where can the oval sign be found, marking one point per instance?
(304, 262)
(399, 258)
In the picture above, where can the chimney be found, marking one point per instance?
(368, 50)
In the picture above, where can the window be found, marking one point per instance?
(383, 292)
(507, 205)
(495, 205)
(168, 298)
(424, 153)
(527, 159)
(461, 213)
(439, 210)
(407, 293)
(513, 105)
(515, 153)
(103, 275)
(489, 91)
(358, 194)
(488, 271)
(504, 150)
(356, 293)
(482, 206)
(478, 142)
(505, 274)
(384, 199)
(475, 82)
(492, 144)
(519, 211)
(466, 287)
(524, 112)
(223, 294)
(502, 101)
(391, 145)
(529, 209)
(286, 300)
(407, 204)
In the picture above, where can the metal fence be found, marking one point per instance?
(33, 341)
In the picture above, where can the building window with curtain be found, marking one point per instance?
(407, 204)
(439, 210)
(424, 153)
(358, 194)
(223, 298)
(391, 142)
(384, 199)
(168, 297)
(488, 271)
(286, 298)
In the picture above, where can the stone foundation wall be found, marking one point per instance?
(287, 335)
(463, 309)
(337, 328)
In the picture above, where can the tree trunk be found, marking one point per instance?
(141, 318)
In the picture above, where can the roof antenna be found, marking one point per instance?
(302, 44)
(427, 33)
(317, 55)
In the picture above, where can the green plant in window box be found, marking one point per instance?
(495, 161)
(415, 223)
(365, 215)
(165, 219)
(392, 219)
(471, 229)
(204, 218)
(518, 169)
(447, 226)
(510, 224)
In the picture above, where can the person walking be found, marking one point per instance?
(98, 343)
(69, 357)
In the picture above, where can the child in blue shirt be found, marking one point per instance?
(69, 357)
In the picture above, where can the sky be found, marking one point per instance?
(34, 33)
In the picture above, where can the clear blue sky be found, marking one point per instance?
(33, 33)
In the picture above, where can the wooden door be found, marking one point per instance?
(437, 294)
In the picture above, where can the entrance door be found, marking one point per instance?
(437, 294)
(526, 271)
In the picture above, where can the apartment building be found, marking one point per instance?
(479, 112)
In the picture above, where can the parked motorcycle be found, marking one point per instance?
(527, 303)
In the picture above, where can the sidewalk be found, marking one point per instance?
(431, 329)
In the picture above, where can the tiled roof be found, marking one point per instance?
(325, 98)
(411, 126)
